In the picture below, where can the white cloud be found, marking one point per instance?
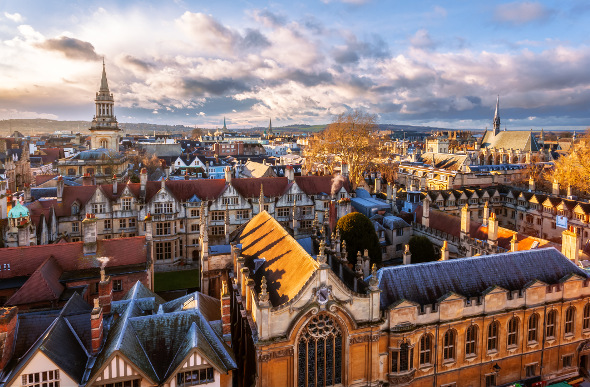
(7, 114)
(15, 17)
(518, 13)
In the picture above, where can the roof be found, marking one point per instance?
(287, 266)
(327, 184)
(42, 286)
(40, 179)
(426, 283)
(271, 186)
(18, 211)
(523, 140)
(254, 169)
(451, 162)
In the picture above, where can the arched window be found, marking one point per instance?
(570, 315)
(104, 143)
(493, 336)
(470, 341)
(425, 349)
(533, 325)
(551, 319)
(75, 209)
(586, 318)
(449, 345)
(320, 353)
(513, 332)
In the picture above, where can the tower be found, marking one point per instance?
(497, 117)
(105, 129)
(224, 127)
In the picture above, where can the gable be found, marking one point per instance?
(39, 362)
(118, 367)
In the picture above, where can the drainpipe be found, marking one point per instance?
(544, 333)
(435, 356)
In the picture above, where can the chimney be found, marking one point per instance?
(407, 256)
(290, 173)
(377, 185)
(163, 183)
(570, 245)
(531, 183)
(105, 291)
(60, 188)
(227, 175)
(87, 179)
(344, 170)
(27, 193)
(96, 328)
(389, 192)
(514, 243)
(90, 231)
(24, 235)
(569, 192)
(115, 184)
(444, 252)
(465, 222)
(225, 313)
(493, 230)
(143, 182)
(555, 188)
(426, 211)
(486, 214)
(8, 323)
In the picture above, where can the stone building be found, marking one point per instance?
(303, 320)
(105, 131)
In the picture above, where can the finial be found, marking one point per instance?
(374, 281)
(263, 290)
(96, 304)
(223, 288)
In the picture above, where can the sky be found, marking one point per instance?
(432, 63)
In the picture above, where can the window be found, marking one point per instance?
(242, 214)
(490, 380)
(163, 228)
(107, 236)
(107, 224)
(163, 250)
(75, 226)
(71, 171)
(551, 318)
(126, 204)
(402, 360)
(217, 215)
(326, 205)
(399, 232)
(567, 361)
(470, 341)
(75, 209)
(425, 349)
(283, 212)
(41, 379)
(319, 353)
(292, 197)
(217, 230)
(530, 370)
(163, 208)
(117, 285)
(194, 227)
(98, 208)
(126, 383)
(308, 223)
(132, 223)
(399, 247)
(533, 323)
(449, 345)
(570, 315)
(123, 223)
(586, 318)
(513, 332)
(195, 213)
(493, 336)
(230, 201)
(306, 211)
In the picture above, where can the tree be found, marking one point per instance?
(422, 249)
(359, 233)
(348, 139)
(196, 133)
(573, 169)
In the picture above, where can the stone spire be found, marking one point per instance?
(104, 85)
(261, 200)
(497, 117)
(224, 127)
(105, 129)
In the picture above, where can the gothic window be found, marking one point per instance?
(449, 345)
(551, 318)
(570, 315)
(320, 353)
(586, 318)
(513, 332)
(425, 349)
(493, 336)
(470, 341)
(533, 324)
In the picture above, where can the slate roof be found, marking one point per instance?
(42, 286)
(287, 265)
(426, 283)
(450, 162)
(523, 140)
(158, 343)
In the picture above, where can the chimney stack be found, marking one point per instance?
(227, 175)
(96, 328)
(27, 193)
(115, 184)
(344, 170)
(486, 214)
(555, 188)
(143, 176)
(531, 184)
(105, 291)
(89, 228)
(225, 313)
(87, 179)
(426, 211)
(513, 243)
(290, 173)
(8, 322)
(60, 188)
(407, 255)
(465, 222)
(570, 245)
(493, 230)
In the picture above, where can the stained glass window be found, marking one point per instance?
(320, 353)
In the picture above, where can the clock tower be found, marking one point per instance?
(105, 129)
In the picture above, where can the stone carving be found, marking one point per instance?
(264, 357)
(364, 338)
(406, 377)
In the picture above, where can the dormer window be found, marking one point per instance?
(195, 377)
(75, 209)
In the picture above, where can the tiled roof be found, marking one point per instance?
(450, 162)
(250, 187)
(40, 179)
(287, 265)
(42, 286)
(426, 283)
(24, 261)
(316, 185)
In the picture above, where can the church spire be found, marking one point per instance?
(224, 127)
(497, 117)
(104, 85)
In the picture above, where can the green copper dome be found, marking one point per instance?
(18, 211)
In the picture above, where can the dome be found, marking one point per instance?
(18, 211)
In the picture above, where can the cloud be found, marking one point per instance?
(422, 40)
(207, 34)
(520, 13)
(355, 49)
(203, 86)
(137, 64)
(15, 17)
(269, 19)
(72, 48)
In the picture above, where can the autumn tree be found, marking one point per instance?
(348, 140)
(573, 169)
